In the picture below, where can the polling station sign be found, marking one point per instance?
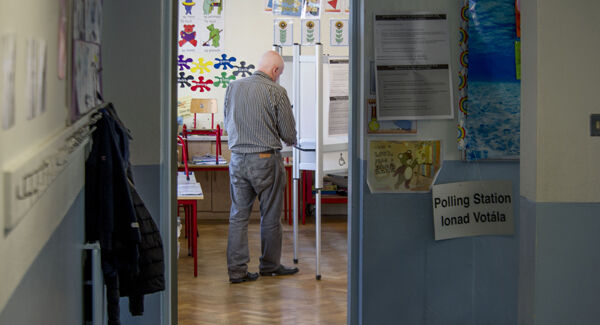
(473, 209)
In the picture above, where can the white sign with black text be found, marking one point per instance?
(472, 209)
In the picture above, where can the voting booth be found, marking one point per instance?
(318, 88)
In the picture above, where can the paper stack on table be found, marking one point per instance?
(188, 188)
(208, 159)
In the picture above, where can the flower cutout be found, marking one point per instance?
(339, 25)
(282, 24)
(310, 24)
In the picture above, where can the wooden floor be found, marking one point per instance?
(297, 299)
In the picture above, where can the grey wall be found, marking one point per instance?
(51, 291)
(409, 278)
(558, 279)
(131, 76)
(132, 56)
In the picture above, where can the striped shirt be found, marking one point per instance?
(258, 115)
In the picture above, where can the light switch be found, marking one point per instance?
(595, 125)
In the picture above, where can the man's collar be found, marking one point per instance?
(262, 74)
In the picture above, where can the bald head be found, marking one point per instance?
(271, 63)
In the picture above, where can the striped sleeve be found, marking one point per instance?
(285, 120)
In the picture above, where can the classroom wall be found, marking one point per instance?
(248, 34)
(40, 259)
(404, 275)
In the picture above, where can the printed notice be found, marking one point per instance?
(412, 57)
(8, 50)
(338, 97)
(473, 209)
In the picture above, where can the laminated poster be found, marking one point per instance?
(287, 8)
(201, 26)
(412, 57)
(403, 166)
(375, 126)
(492, 125)
(311, 9)
(338, 32)
(283, 32)
(8, 53)
(311, 31)
(333, 5)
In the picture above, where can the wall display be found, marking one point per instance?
(86, 60)
(86, 70)
(492, 125)
(283, 32)
(311, 31)
(412, 57)
(462, 73)
(268, 5)
(338, 32)
(287, 7)
(375, 126)
(201, 26)
(311, 9)
(216, 72)
(8, 55)
(403, 166)
(62, 40)
(333, 5)
(339, 102)
(472, 209)
(35, 78)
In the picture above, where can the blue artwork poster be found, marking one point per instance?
(494, 92)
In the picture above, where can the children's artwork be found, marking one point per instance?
(8, 55)
(283, 32)
(201, 66)
(333, 5)
(386, 126)
(311, 9)
(201, 26)
(338, 32)
(201, 85)
(86, 62)
(86, 70)
(268, 5)
(225, 62)
(93, 20)
(223, 80)
(311, 31)
(287, 7)
(492, 125)
(243, 70)
(62, 40)
(403, 166)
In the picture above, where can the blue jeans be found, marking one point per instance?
(252, 175)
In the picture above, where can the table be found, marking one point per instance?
(189, 192)
(225, 167)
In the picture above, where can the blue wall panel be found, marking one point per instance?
(409, 278)
(51, 292)
(567, 284)
(147, 181)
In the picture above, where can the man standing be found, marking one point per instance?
(258, 116)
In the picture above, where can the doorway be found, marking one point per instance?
(209, 297)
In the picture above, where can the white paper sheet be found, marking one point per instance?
(412, 56)
(8, 54)
(339, 89)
